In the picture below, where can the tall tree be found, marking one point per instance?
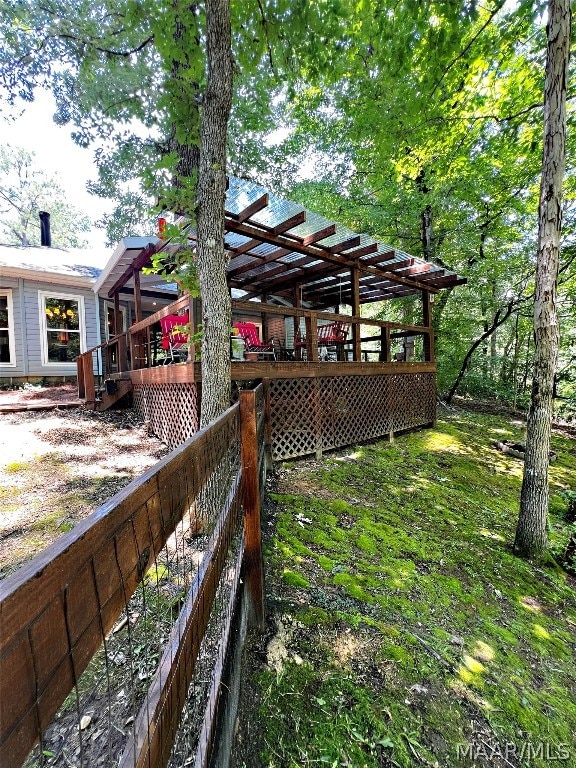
(212, 258)
(531, 537)
(25, 189)
(165, 67)
(168, 66)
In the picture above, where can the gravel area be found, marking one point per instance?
(57, 466)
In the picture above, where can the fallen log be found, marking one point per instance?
(517, 450)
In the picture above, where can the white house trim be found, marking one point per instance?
(42, 276)
(42, 296)
(11, 344)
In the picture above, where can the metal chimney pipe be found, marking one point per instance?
(45, 237)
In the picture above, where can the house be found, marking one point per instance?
(51, 309)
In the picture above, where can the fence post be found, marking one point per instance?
(88, 379)
(80, 377)
(253, 567)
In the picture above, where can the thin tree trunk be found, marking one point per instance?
(515, 359)
(499, 318)
(427, 232)
(526, 364)
(531, 537)
(212, 258)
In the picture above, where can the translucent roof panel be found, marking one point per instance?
(308, 252)
(276, 212)
(241, 194)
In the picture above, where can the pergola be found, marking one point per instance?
(279, 250)
(290, 269)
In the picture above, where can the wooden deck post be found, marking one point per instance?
(296, 320)
(384, 356)
(117, 314)
(80, 377)
(429, 355)
(122, 353)
(137, 296)
(312, 337)
(267, 421)
(88, 378)
(356, 329)
(253, 566)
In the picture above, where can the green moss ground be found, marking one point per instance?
(415, 636)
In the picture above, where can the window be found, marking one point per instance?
(7, 355)
(62, 322)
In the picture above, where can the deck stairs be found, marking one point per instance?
(109, 394)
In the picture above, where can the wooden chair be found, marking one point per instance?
(332, 337)
(249, 332)
(333, 333)
(174, 340)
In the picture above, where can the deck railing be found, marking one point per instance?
(376, 344)
(100, 363)
(119, 632)
(369, 341)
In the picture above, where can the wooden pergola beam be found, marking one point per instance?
(293, 221)
(239, 250)
(319, 235)
(142, 260)
(258, 261)
(147, 294)
(345, 245)
(322, 271)
(424, 269)
(306, 273)
(315, 251)
(251, 209)
(310, 286)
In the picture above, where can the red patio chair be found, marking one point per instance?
(174, 339)
(249, 332)
(333, 335)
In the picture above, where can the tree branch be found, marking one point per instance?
(465, 50)
(265, 26)
(499, 318)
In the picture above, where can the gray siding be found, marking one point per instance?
(27, 327)
(12, 283)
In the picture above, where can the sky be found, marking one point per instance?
(34, 130)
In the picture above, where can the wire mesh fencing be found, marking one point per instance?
(115, 638)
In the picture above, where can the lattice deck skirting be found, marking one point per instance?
(308, 415)
(311, 415)
(170, 410)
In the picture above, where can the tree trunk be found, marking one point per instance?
(212, 258)
(499, 318)
(427, 231)
(531, 538)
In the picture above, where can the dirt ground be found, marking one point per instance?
(58, 465)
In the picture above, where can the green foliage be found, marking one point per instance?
(426, 632)
(180, 264)
(24, 191)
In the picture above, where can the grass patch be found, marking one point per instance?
(422, 632)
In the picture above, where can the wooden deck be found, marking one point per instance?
(312, 404)
(190, 373)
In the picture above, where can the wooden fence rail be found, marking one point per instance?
(59, 609)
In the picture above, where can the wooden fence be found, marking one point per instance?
(119, 632)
